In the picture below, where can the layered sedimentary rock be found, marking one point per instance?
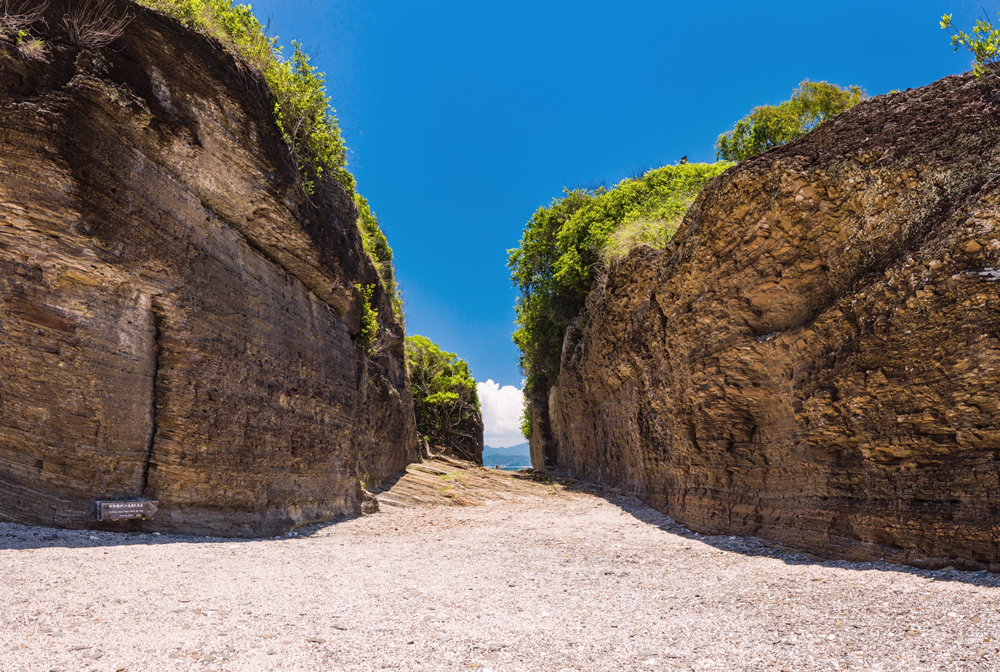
(176, 315)
(816, 358)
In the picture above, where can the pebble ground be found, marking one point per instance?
(533, 577)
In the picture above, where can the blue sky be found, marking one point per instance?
(464, 117)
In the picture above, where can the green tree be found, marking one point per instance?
(769, 126)
(563, 244)
(444, 395)
(983, 43)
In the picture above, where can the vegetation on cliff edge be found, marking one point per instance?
(301, 107)
(565, 243)
(377, 247)
(444, 393)
(983, 43)
(769, 126)
(302, 111)
(367, 336)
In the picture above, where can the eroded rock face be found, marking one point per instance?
(816, 360)
(465, 444)
(176, 316)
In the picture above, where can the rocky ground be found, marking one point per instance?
(474, 569)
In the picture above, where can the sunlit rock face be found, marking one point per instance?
(176, 315)
(816, 359)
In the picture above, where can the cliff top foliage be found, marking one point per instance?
(444, 392)
(564, 244)
(301, 107)
(983, 43)
(377, 247)
(768, 126)
(302, 110)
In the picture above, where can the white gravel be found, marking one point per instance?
(539, 579)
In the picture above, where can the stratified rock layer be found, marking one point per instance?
(816, 359)
(176, 316)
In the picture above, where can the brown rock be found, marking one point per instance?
(972, 248)
(810, 362)
(176, 316)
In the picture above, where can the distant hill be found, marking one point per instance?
(506, 461)
(519, 449)
(514, 457)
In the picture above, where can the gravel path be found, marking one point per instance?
(534, 577)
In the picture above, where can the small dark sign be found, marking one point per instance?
(125, 510)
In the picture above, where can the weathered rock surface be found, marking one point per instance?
(466, 444)
(176, 316)
(816, 359)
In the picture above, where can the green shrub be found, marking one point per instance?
(983, 43)
(655, 233)
(368, 335)
(301, 107)
(377, 248)
(303, 113)
(444, 393)
(562, 244)
(526, 422)
(769, 126)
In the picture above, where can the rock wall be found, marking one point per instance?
(176, 315)
(816, 359)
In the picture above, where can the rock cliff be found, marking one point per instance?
(176, 315)
(815, 360)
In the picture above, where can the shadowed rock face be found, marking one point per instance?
(816, 359)
(176, 317)
(465, 444)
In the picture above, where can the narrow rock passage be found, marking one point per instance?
(467, 568)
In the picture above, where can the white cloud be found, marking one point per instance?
(502, 408)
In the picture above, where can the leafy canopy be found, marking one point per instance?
(983, 43)
(562, 246)
(769, 126)
(444, 393)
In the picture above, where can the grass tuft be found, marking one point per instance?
(91, 24)
(654, 233)
(32, 48)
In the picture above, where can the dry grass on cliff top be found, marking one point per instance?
(466, 568)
